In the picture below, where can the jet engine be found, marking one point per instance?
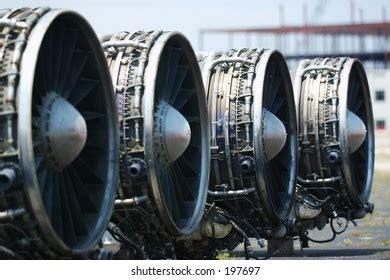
(253, 151)
(59, 136)
(336, 145)
(164, 161)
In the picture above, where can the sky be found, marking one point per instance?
(112, 16)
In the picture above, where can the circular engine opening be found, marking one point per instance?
(180, 137)
(279, 171)
(74, 134)
(360, 136)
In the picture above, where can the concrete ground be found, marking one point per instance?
(369, 240)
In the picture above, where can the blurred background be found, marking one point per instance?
(299, 29)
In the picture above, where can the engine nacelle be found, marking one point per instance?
(253, 145)
(59, 136)
(336, 141)
(164, 140)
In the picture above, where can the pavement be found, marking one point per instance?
(369, 240)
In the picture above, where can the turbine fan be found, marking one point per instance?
(279, 132)
(178, 137)
(358, 164)
(67, 130)
(253, 151)
(337, 142)
(253, 125)
(161, 103)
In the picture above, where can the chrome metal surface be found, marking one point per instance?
(131, 201)
(174, 132)
(275, 135)
(110, 243)
(356, 130)
(12, 213)
(63, 130)
(306, 212)
(216, 230)
(232, 193)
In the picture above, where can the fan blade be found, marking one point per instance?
(70, 39)
(355, 97)
(57, 54)
(284, 158)
(178, 194)
(181, 73)
(88, 174)
(182, 98)
(77, 213)
(40, 79)
(183, 179)
(38, 161)
(47, 194)
(277, 181)
(192, 119)
(284, 197)
(57, 219)
(274, 91)
(82, 88)
(48, 59)
(175, 206)
(166, 190)
(85, 201)
(270, 80)
(273, 180)
(41, 176)
(357, 105)
(356, 173)
(88, 116)
(94, 148)
(187, 163)
(69, 233)
(79, 60)
(351, 92)
(194, 146)
(277, 105)
(164, 70)
(35, 121)
(173, 65)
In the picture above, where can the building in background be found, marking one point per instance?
(379, 82)
(380, 90)
(369, 42)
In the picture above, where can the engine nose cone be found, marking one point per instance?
(64, 131)
(356, 131)
(274, 134)
(174, 132)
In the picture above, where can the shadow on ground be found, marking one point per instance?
(324, 253)
(370, 239)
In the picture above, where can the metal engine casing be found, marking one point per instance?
(336, 139)
(138, 63)
(32, 220)
(237, 87)
(253, 148)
